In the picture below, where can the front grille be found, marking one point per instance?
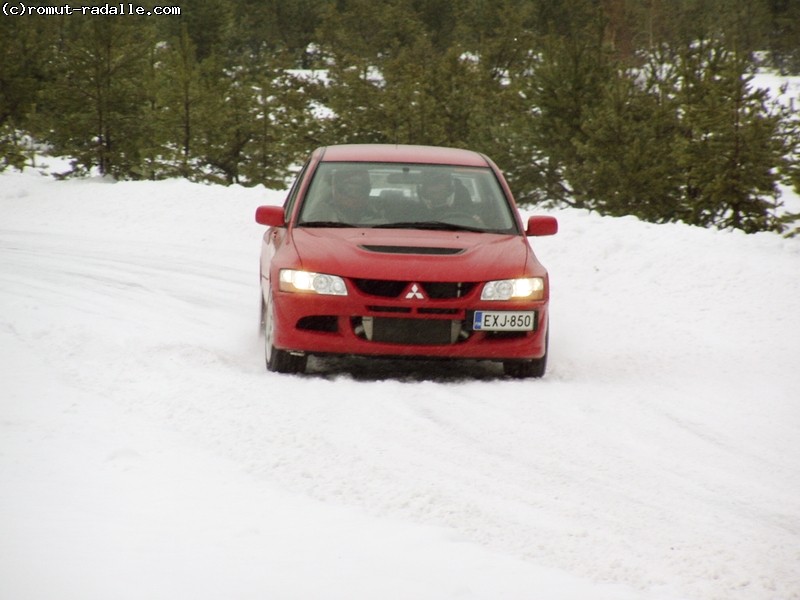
(381, 287)
(434, 290)
(425, 332)
(444, 291)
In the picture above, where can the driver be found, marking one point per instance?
(439, 191)
(447, 200)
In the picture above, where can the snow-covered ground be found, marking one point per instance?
(146, 453)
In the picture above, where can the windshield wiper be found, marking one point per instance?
(440, 225)
(325, 224)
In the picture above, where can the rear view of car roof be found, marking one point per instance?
(402, 153)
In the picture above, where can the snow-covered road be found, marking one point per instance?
(145, 452)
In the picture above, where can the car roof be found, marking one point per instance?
(404, 153)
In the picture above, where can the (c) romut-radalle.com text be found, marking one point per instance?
(20, 9)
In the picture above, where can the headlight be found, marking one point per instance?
(318, 283)
(531, 288)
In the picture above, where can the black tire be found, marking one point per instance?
(524, 369)
(263, 316)
(277, 360)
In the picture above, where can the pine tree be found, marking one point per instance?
(180, 98)
(411, 103)
(280, 119)
(209, 24)
(94, 107)
(566, 80)
(730, 149)
(224, 127)
(626, 164)
(266, 28)
(783, 35)
(25, 52)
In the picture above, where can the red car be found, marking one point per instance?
(403, 251)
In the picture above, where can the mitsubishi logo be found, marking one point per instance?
(415, 292)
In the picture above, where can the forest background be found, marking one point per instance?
(626, 107)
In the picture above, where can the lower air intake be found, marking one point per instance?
(425, 332)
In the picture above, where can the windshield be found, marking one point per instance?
(394, 195)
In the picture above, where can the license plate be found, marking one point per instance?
(497, 320)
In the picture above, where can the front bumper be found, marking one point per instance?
(360, 324)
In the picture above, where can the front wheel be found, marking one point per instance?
(277, 360)
(522, 369)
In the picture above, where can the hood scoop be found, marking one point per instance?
(412, 250)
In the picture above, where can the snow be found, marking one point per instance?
(146, 453)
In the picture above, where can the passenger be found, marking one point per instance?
(348, 201)
(350, 195)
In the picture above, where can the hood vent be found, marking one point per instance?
(413, 250)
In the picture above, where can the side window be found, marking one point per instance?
(293, 192)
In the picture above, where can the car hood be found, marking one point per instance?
(414, 254)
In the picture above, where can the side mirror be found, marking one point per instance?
(271, 216)
(542, 226)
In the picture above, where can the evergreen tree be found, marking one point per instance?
(437, 98)
(566, 79)
(363, 50)
(280, 119)
(353, 95)
(400, 86)
(409, 112)
(730, 150)
(94, 108)
(266, 28)
(224, 128)
(784, 35)
(359, 31)
(151, 156)
(25, 51)
(209, 24)
(627, 166)
(180, 97)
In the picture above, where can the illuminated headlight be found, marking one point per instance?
(531, 288)
(319, 283)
